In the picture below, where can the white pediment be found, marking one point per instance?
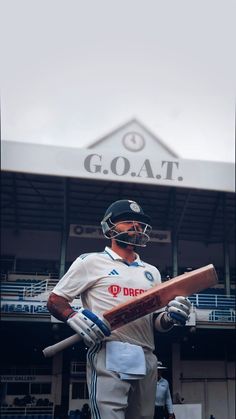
(134, 139)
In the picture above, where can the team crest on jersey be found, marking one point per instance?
(149, 276)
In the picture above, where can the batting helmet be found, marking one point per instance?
(126, 210)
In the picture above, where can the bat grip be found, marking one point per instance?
(59, 346)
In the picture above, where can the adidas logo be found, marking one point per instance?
(113, 272)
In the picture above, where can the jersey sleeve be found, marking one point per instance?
(158, 276)
(75, 281)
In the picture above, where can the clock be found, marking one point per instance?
(133, 141)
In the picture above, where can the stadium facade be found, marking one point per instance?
(53, 199)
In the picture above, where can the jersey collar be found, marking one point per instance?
(113, 255)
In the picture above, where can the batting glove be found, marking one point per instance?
(92, 329)
(178, 310)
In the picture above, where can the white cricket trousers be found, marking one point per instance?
(113, 398)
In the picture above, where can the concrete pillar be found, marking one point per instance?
(57, 378)
(64, 232)
(176, 371)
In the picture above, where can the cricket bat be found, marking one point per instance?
(154, 299)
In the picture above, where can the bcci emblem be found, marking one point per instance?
(135, 207)
(149, 276)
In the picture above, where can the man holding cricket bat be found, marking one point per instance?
(121, 365)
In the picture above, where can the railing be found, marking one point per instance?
(31, 301)
(35, 289)
(25, 370)
(213, 301)
(223, 316)
(78, 368)
(28, 412)
(21, 290)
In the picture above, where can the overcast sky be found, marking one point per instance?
(73, 70)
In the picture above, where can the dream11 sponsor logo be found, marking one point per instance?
(114, 290)
(121, 166)
(129, 292)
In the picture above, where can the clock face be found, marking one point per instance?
(133, 141)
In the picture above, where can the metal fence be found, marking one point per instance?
(27, 412)
(26, 288)
(208, 301)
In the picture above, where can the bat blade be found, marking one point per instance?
(150, 301)
(159, 296)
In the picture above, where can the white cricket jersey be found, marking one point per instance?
(104, 280)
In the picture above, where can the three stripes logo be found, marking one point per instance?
(113, 272)
(114, 289)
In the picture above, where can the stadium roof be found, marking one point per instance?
(42, 202)
(48, 187)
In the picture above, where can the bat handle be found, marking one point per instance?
(59, 346)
